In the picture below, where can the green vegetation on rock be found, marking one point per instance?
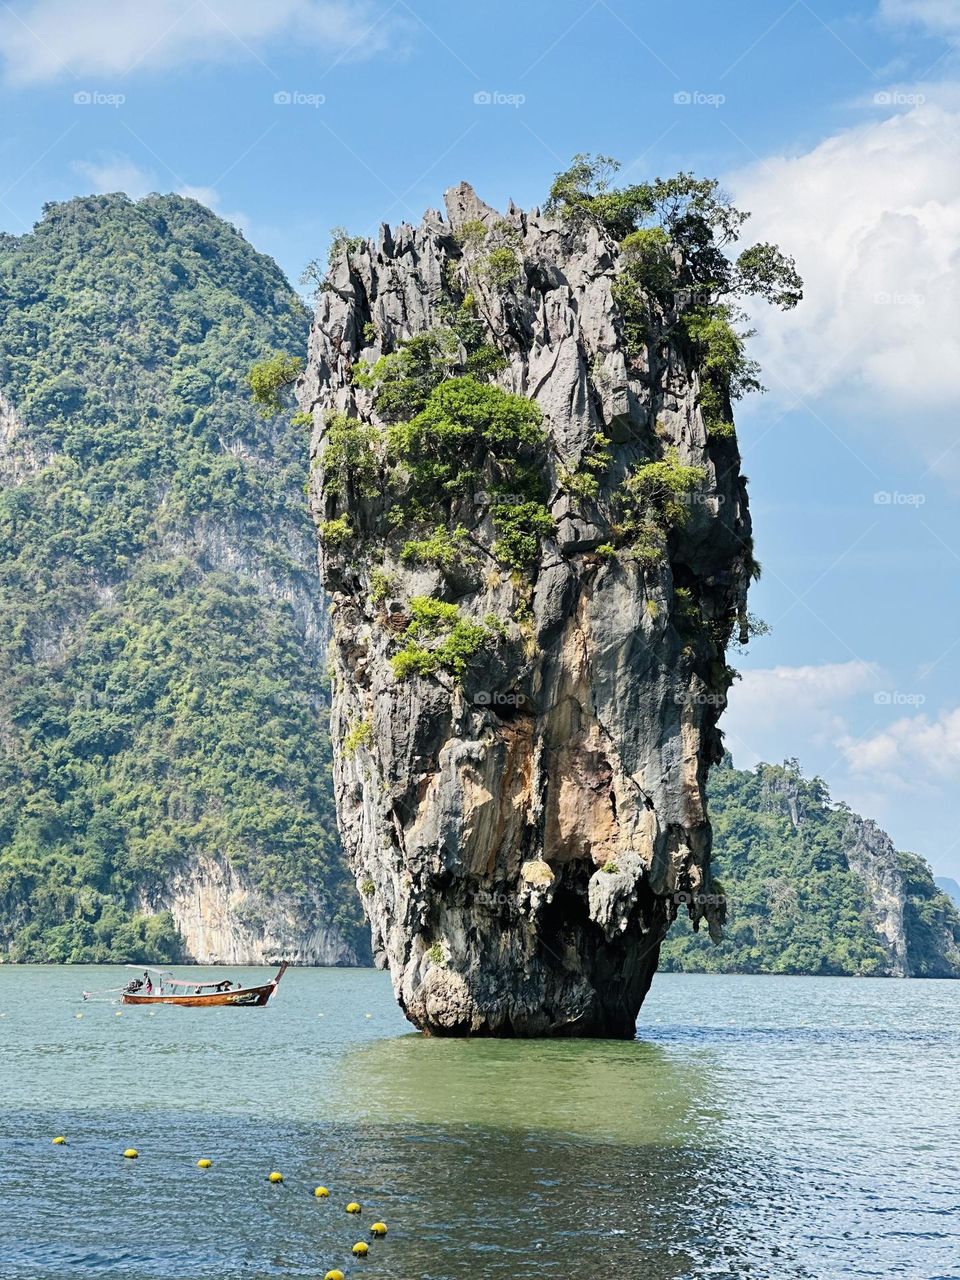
(440, 638)
(268, 379)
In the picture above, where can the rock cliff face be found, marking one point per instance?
(871, 856)
(224, 918)
(523, 829)
(916, 922)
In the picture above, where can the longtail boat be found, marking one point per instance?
(182, 991)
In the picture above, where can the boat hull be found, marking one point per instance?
(248, 997)
(239, 998)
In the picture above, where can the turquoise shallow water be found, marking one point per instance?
(758, 1127)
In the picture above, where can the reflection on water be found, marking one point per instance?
(630, 1093)
(796, 1129)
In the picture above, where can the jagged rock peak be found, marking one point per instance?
(532, 586)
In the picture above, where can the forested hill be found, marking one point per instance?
(163, 747)
(811, 887)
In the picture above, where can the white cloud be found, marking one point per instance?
(773, 711)
(113, 173)
(48, 38)
(872, 216)
(913, 751)
(938, 15)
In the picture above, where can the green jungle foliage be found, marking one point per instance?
(157, 698)
(793, 904)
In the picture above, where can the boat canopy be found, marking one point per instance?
(172, 980)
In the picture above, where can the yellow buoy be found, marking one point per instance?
(353, 1207)
(204, 1164)
(60, 1142)
(361, 1248)
(333, 1275)
(131, 1153)
(119, 1014)
(275, 1177)
(378, 1229)
(321, 1193)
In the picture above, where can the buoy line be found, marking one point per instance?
(360, 1250)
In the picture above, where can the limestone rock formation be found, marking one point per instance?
(224, 917)
(871, 856)
(522, 825)
(916, 924)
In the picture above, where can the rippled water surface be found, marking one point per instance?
(758, 1127)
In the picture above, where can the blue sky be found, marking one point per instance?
(836, 123)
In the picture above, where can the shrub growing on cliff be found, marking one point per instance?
(464, 425)
(359, 734)
(335, 533)
(584, 482)
(654, 498)
(693, 223)
(520, 527)
(502, 268)
(726, 372)
(443, 549)
(459, 315)
(381, 584)
(439, 638)
(586, 190)
(350, 456)
(662, 488)
(472, 436)
(269, 377)
(403, 379)
(341, 240)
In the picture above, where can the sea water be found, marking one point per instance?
(757, 1127)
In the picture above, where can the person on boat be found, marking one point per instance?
(148, 985)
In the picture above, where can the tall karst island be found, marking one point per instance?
(536, 540)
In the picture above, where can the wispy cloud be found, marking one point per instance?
(914, 751)
(42, 40)
(111, 173)
(941, 16)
